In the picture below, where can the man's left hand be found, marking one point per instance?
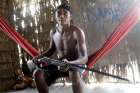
(64, 67)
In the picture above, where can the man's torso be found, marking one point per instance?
(66, 44)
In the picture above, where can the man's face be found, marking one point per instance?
(63, 17)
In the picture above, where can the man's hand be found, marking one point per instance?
(35, 60)
(64, 67)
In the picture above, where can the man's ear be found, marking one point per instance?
(71, 19)
(71, 16)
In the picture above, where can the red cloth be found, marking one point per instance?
(8, 30)
(125, 26)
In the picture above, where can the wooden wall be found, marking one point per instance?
(8, 51)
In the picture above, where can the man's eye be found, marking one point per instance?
(58, 12)
(65, 14)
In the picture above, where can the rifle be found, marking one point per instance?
(45, 61)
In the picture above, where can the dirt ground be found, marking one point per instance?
(90, 88)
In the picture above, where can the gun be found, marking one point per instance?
(45, 61)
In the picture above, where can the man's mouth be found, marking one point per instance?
(62, 20)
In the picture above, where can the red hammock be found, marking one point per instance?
(125, 26)
(120, 32)
(8, 30)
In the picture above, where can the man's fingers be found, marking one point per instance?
(65, 60)
(63, 68)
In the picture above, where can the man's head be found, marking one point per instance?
(63, 14)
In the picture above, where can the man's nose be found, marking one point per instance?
(62, 16)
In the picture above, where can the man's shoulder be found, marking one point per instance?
(52, 31)
(76, 28)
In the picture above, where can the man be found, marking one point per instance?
(68, 41)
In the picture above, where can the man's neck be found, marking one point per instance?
(63, 28)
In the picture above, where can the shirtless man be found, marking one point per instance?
(68, 41)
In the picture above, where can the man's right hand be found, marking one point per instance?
(35, 60)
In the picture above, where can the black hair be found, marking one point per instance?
(65, 6)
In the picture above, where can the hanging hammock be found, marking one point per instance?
(125, 26)
(8, 30)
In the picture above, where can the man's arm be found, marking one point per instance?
(51, 49)
(83, 58)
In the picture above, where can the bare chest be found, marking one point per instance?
(65, 41)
